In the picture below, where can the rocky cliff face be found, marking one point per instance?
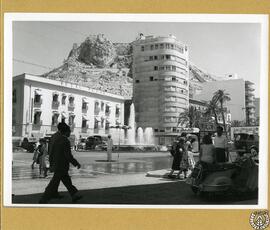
(99, 64)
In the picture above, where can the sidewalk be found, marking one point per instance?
(153, 189)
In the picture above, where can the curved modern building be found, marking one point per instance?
(161, 83)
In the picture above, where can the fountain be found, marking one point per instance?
(137, 138)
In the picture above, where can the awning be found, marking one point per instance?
(71, 95)
(85, 100)
(56, 112)
(107, 121)
(84, 117)
(55, 93)
(108, 104)
(38, 92)
(64, 115)
(97, 119)
(64, 95)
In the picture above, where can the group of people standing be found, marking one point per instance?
(212, 150)
(182, 156)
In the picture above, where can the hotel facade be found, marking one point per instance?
(160, 84)
(39, 104)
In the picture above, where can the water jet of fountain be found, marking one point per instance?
(131, 123)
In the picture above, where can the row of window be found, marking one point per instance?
(167, 78)
(164, 46)
(175, 89)
(166, 57)
(98, 106)
(98, 122)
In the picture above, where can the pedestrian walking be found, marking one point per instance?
(109, 148)
(221, 146)
(184, 164)
(60, 158)
(36, 155)
(43, 158)
(177, 158)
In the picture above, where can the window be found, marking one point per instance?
(168, 57)
(71, 120)
(96, 124)
(14, 96)
(155, 57)
(37, 99)
(107, 125)
(102, 106)
(161, 46)
(156, 46)
(155, 67)
(162, 57)
(84, 105)
(151, 78)
(137, 81)
(55, 97)
(167, 46)
(37, 116)
(63, 99)
(173, 78)
(55, 119)
(96, 109)
(174, 129)
(84, 123)
(71, 101)
(142, 48)
(172, 46)
(155, 130)
(174, 68)
(151, 58)
(102, 122)
(161, 68)
(117, 111)
(107, 109)
(152, 47)
(168, 67)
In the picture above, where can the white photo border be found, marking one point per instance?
(9, 18)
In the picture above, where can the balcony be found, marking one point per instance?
(71, 106)
(55, 104)
(37, 126)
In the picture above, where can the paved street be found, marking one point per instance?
(123, 181)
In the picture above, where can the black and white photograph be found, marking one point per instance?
(110, 110)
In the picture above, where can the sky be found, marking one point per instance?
(217, 48)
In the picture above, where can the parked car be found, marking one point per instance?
(96, 142)
(81, 144)
(246, 143)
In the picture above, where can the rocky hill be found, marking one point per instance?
(102, 65)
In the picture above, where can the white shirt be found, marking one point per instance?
(220, 142)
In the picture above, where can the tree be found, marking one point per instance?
(212, 109)
(190, 116)
(221, 97)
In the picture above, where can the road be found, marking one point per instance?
(122, 181)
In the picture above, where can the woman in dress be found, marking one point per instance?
(44, 158)
(177, 158)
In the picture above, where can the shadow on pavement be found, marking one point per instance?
(177, 193)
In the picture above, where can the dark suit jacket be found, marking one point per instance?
(60, 154)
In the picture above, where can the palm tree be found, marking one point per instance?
(221, 97)
(212, 109)
(191, 116)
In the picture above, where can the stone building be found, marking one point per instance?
(39, 104)
(160, 83)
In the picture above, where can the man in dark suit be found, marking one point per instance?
(60, 158)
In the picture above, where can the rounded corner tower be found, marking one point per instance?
(160, 83)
